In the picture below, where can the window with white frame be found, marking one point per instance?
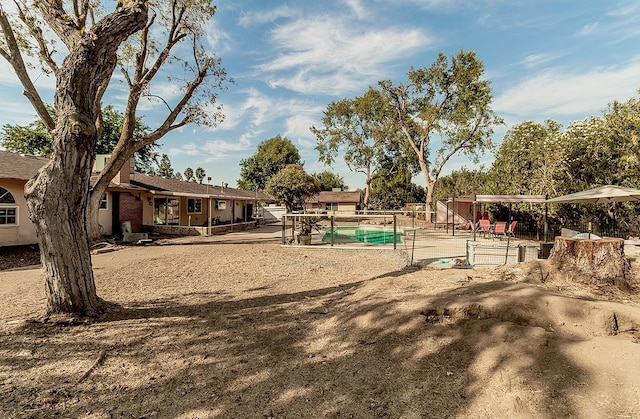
(103, 202)
(8, 208)
(331, 206)
(194, 205)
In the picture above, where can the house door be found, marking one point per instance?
(249, 213)
(166, 211)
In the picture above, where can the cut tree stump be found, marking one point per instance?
(596, 261)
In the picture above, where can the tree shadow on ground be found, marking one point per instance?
(345, 351)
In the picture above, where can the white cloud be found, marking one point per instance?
(357, 8)
(298, 129)
(217, 39)
(210, 150)
(534, 60)
(331, 54)
(562, 93)
(257, 111)
(588, 30)
(262, 16)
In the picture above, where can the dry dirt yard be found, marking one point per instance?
(238, 326)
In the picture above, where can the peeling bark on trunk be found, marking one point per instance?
(596, 261)
(58, 207)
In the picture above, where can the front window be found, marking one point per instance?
(8, 208)
(103, 202)
(194, 205)
(166, 211)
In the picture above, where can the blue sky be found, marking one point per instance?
(564, 60)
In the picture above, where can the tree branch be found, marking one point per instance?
(14, 57)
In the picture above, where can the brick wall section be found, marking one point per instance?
(199, 231)
(124, 175)
(131, 210)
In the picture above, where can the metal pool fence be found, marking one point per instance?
(423, 243)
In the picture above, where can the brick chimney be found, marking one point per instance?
(124, 175)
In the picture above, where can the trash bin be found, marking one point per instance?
(125, 227)
(545, 250)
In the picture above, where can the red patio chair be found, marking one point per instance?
(512, 229)
(499, 229)
(484, 227)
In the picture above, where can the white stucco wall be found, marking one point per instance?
(24, 232)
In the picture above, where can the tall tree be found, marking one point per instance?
(528, 160)
(59, 195)
(393, 192)
(359, 128)
(327, 181)
(448, 103)
(291, 185)
(200, 174)
(463, 182)
(271, 156)
(188, 174)
(164, 167)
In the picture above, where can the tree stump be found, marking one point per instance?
(596, 261)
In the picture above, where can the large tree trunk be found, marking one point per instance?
(593, 261)
(57, 196)
(57, 203)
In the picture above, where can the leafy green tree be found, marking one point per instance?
(200, 174)
(188, 174)
(447, 103)
(178, 176)
(164, 167)
(528, 160)
(271, 156)
(622, 120)
(360, 130)
(33, 139)
(328, 181)
(98, 37)
(292, 185)
(463, 182)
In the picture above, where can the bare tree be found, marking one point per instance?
(60, 197)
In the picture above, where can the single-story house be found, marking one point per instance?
(334, 202)
(133, 201)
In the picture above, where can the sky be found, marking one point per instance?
(546, 59)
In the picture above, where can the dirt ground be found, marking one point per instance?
(237, 326)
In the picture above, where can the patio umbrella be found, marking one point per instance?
(599, 195)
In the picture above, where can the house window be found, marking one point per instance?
(332, 206)
(103, 202)
(8, 208)
(194, 205)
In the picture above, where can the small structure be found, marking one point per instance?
(465, 209)
(334, 202)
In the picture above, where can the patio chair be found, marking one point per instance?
(484, 227)
(499, 229)
(511, 230)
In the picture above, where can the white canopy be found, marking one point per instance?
(599, 195)
(486, 199)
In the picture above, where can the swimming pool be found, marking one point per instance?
(362, 234)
